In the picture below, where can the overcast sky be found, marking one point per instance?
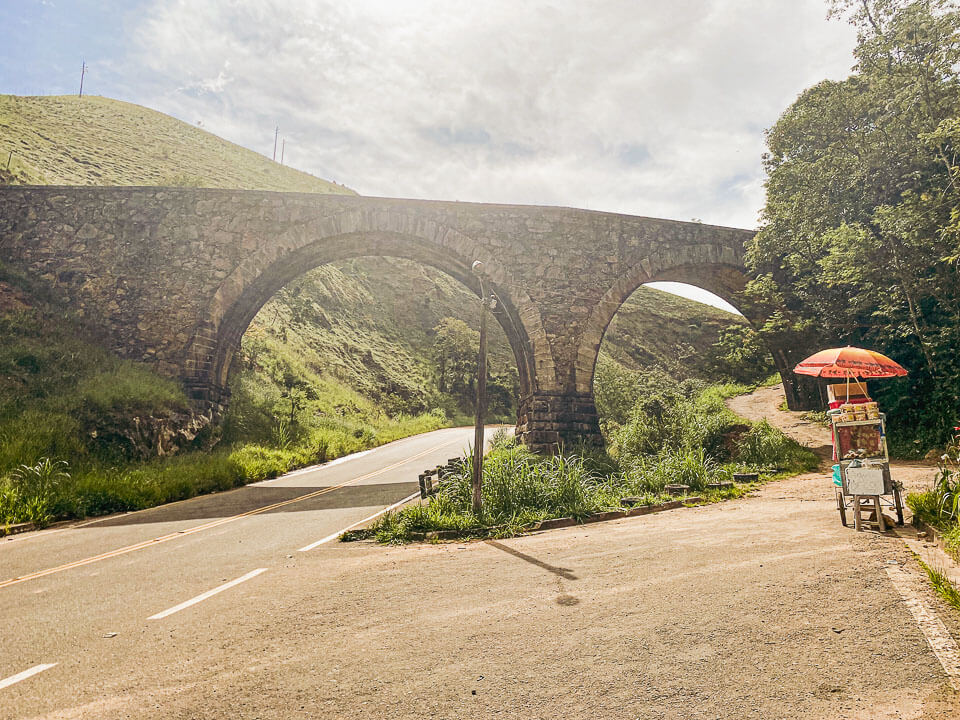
(645, 107)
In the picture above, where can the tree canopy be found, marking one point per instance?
(860, 238)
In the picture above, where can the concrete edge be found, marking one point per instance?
(17, 528)
(555, 523)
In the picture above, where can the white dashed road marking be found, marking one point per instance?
(207, 594)
(13, 679)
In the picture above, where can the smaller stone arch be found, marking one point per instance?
(724, 280)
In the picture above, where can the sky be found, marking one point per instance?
(644, 107)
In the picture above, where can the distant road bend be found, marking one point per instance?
(60, 588)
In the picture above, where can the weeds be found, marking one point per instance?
(31, 491)
(518, 488)
(676, 434)
(764, 446)
(941, 583)
(940, 506)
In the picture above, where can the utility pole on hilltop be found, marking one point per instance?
(485, 304)
(83, 71)
(276, 134)
(283, 147)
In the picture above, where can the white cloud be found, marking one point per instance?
(649, 108)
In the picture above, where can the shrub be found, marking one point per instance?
(518, 488)
(31, 492)
(685, 467)
(503, 440)
(764, 446)
(683, 416)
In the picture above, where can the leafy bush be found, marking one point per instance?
(740, 355)
(503, 440)
(693, 468)
(518, 488)
(684, 415)
(764, 446)
(940, 506)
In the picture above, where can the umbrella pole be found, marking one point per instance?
(848, 387)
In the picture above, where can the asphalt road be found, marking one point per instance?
(763, 607)
(83, 598)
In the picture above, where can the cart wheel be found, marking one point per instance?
(842, 508)
(898, 501)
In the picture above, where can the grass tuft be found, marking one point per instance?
(941, 583)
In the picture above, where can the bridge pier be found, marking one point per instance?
(548, 421)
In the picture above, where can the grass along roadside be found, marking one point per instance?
(73, 420)
(50, 490)
(942, 585)
(79, 426)
(939, 507)
(687, 437)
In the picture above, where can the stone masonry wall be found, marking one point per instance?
(173, 275)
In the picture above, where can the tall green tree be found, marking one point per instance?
(860, 232)
(455, 348)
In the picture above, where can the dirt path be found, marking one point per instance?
(766, 402)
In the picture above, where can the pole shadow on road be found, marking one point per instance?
(565, 573)
(245, 499)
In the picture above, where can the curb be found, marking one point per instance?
(934, 537)
(554, 523)
(17, 528)
(931, 551)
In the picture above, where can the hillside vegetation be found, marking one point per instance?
(346, 357)
(67, 140)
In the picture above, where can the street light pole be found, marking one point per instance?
(481, 395)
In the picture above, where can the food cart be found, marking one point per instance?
(862, 470)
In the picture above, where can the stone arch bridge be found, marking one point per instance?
(173, 276)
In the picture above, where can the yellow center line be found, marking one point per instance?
(215, 523)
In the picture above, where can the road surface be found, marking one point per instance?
(76, 600)
(763, 607)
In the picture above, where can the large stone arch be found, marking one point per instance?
(304, 246)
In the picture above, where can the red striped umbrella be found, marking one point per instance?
(849, 362)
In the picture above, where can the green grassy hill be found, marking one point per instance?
(659, 329)
(67, 140)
